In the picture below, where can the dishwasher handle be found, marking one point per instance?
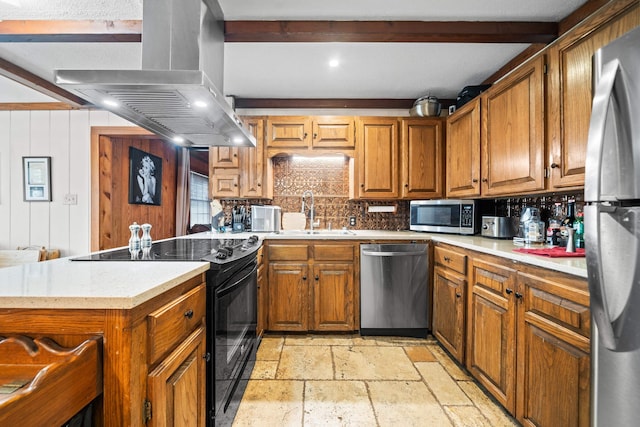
(393, 253)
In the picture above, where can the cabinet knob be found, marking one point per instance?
(304, 136)
(259, 185)
(362, 185)
(188, 314)
(206, 356)
(554, 165)
(304, 277)
(315, 135)
(235, 185)
(317, 278)
(485, 180)
(406, 185)
(458, 295)
(474, 180)
(235, 155)
(509, 291)
(518, 295)
(447, 259)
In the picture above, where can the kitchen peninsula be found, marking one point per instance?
(127, 303)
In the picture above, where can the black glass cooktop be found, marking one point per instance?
(181, 249)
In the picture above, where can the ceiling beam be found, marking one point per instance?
(390, 31)
(315, 103)
(28, 79)
(82, 31)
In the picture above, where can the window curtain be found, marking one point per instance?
(183, 192)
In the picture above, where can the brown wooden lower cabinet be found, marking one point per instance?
(491, 338)
(528, 340)
(153, 355)
(311, 287)
(450, 300)
(553, 351)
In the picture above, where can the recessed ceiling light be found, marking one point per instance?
(238, 140)
(200, 104)
(178, 139)
(334, 63)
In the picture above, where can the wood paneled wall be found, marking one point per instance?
(65, 135)
(115, 213)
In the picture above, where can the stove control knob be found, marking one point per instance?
(221, 255)
(229, 250)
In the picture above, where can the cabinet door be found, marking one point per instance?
(223, 157)
(570, 95)
(378, 158)
(288, 297)
(252, 163)
(333, 297)
(224, 183)
(553, 352)
(334, 132)
(463, 151)
(176, 387)
(448, 310)
(288, 132)
(422, 153)
(492, 330)
(513, 132)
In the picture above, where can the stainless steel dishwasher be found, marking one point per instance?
(394, 297)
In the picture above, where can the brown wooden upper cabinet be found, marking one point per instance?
(377, 158)
(392, 164)
(570, 94)
(422, 158)
(239, 172)
(463, 151)
(293, 134)
(513, 132)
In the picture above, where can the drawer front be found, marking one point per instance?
(288, 252)
(450, 259)
(172, 323)
(556, 301)
(322, 252)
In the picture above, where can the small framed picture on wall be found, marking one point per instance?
(37, 179)
(145, 178)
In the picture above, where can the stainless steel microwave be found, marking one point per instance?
(445, 216)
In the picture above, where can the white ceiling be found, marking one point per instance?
(298, 70)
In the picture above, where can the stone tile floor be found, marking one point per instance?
(345, 380)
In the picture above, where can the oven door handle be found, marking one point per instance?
(230, 287)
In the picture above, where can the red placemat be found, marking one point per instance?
(555, 252)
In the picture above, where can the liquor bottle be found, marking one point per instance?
(555, 222)
(578, 225)
(571, 212)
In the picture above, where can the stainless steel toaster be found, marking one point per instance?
(499, 227)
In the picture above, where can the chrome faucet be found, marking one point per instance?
(311, 209)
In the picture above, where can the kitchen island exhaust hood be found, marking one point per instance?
(172, 95)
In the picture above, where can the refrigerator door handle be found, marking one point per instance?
(599, 308)
(601, 101)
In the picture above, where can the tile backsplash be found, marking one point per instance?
(328, 179)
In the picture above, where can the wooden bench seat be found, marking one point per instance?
(42, 383)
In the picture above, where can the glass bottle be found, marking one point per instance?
(578, 225)
(555, 222)
(568, 221)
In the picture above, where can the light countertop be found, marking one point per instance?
(62, 283)
(498, 247)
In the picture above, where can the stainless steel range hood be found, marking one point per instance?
(178, 92)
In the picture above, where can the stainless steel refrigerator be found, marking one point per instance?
(612, 233)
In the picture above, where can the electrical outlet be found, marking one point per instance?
(70, 199)
(352, 221)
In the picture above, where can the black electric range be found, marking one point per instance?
(231, 311)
